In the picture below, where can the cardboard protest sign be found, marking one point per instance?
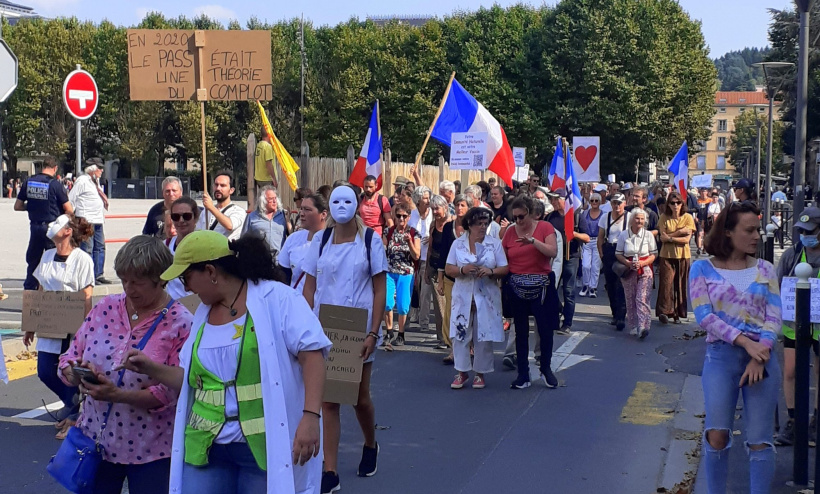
(53, 314)
(587, 158)
(519, 156)
(345, 327)
(191, 302)
(468, 151)
(703, 181)
(164, 65)
(788, 299)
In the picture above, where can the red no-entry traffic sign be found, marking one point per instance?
(80, 94)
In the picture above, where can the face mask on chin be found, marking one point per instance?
(343, 204)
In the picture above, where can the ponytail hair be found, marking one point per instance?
(81, 230)
(252, 260)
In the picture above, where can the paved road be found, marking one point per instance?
(608, 428)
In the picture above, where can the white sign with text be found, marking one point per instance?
(520, 157)
(468, 151)
(788, 299)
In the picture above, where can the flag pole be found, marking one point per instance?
(435, 119)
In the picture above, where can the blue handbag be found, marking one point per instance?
(75, 464)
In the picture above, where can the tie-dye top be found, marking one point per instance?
(726, 312)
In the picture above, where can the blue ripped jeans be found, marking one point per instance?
(722, 369)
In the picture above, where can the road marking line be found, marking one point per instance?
(51, 407)
(649, 404)
(563, 358)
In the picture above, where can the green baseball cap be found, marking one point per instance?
(200, 246)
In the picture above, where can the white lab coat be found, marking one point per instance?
(284, 326)
(485, 291)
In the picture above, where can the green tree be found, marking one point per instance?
(745, 134)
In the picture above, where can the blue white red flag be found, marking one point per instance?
(680, 167)
(573, 201)
(370, 159)
(558, 167)
(463, 113)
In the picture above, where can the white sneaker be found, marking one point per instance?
(584, 291)
(633, 331)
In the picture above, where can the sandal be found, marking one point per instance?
(64, 431)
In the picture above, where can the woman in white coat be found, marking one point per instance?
(346, 265)
(476, 261)
(251, 375)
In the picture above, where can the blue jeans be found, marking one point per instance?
(399, 292)
(569, 275)
(95, 247)
(231, 469)
(47, 364)
(722, 369)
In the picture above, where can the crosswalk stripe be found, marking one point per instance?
(39, 411)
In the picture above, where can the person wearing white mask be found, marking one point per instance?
(346, 265)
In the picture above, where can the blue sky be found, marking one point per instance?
(727, 24)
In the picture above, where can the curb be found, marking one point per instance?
(683, 455)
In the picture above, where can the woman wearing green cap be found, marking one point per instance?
(251, 375)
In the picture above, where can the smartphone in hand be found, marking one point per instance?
(85, 374)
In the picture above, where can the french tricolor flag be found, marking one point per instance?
(558, 169)
(370, 159)
(463, 113)
(680, 167)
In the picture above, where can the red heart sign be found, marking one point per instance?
(586, 155)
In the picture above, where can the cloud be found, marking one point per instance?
(216, 12)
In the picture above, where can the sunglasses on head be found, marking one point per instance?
(182, 216)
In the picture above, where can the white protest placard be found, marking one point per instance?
(610, 178)
(468, 151)
(702, 181)
(520, 156)
(587, 158)
(522, 174)
(788, 299)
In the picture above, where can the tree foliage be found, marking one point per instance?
(635, 72)
(745, 134)
(735, 69)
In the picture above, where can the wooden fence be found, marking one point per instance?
(315, 172)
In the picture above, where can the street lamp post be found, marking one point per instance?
(771, 91)
(747, 166)
(800, 118)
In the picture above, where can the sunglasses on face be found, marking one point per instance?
(674, 203)
(594, 200)
(182, 216)
(401, 216)
(520, 217)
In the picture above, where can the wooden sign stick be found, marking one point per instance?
(202, 96)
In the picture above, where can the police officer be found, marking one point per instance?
(45, 198)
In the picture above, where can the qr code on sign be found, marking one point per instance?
(478, 161)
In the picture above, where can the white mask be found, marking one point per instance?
(343, 204)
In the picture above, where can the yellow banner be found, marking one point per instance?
(286, 162)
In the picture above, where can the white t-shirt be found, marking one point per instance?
(175, 288)
(219, 353)
(617, 227)
(630, 244)
(422, 225)
(88, 204)
(606, 207)
(292, 256)
(73, 275)
(234, 212)
(344, 276)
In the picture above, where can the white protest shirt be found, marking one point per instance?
(615, 229)
(73, 275)
(344, 276)
(175, 288)
(292, 256)
(234, 212)
(88, 204)
(422, 225)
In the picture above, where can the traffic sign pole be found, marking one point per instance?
(81, 98)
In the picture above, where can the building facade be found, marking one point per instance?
(711, 156)
(13, 12)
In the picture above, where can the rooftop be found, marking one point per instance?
(741, 98)
(5, 3)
